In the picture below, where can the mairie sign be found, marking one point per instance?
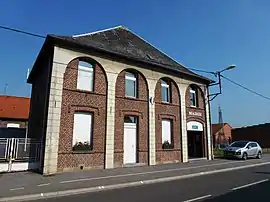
(192, 113)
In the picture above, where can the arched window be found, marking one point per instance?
(193, 97)
(131, 84)
(85, 80)
(165, 91)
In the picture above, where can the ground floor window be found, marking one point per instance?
(82, 131)
(167, 134)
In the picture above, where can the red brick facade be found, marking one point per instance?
(168, 111)
(95, 102)
(76, 100)
(197, 113)
(131, 107)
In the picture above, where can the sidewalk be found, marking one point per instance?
(18, 184)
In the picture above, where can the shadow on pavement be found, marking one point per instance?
(256, 193)
(267, 173)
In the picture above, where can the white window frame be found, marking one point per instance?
(89, 70)
(192, 91)
(164, 84)
(13, 125)
(131, 77)
(77, 129)
(165, 131)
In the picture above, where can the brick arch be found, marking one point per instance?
(138, 107)
(170, 111)
(205, 151)
(94, 102)
(198, 113)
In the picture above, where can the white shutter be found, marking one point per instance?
(82, 127)
(85, 78)
(166, 130)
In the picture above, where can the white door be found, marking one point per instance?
(130, 143)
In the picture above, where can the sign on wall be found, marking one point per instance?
(194, 126)
(192, 113)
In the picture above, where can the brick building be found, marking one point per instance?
(14, 111)
(259, 133)
(110, 99)
(222, 134)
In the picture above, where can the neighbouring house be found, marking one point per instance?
(259, 133)
(109, 99)
(222, 134)
(14, 111)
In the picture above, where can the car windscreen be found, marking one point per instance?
(239, 144)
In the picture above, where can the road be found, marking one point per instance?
(251, 184)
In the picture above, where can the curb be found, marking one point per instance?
(119, 186)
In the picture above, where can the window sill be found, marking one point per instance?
(130, 97)
(167, 150)
(192, 106)
(83, 152)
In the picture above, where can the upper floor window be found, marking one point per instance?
(193, 97)
(85, 78)
(165, 91)
(131, 85)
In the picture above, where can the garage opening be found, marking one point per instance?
(195, 140)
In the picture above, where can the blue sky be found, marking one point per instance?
(207, 35)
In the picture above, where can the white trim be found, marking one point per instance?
(165, 85)
(194, 126)
(131, 78)
(13, 125)
(95, 32)
(88, 69)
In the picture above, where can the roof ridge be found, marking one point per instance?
(103, 30)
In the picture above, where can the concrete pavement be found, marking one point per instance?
(247, 185)
(19, 184)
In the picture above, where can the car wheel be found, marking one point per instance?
(245, 156)
(259, 155)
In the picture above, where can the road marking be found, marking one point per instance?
(18, 188)
(198, 198)
(248, 185)
(42, 185)
(142, 173)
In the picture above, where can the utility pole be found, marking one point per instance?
(218, 75)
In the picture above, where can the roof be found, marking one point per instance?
(217, 126)
(122, 42)
(12, 107)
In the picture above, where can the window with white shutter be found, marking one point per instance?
(85, 78)
(82, 131)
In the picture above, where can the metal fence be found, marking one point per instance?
(19, 149)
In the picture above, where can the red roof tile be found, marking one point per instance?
(12, 107)
(216, 127)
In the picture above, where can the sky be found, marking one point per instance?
(208, 35)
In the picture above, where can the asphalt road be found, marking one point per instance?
(252, 184)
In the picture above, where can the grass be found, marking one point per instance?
(218, 153)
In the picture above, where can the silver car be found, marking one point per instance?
(243, 150)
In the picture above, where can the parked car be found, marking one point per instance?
(243, 150)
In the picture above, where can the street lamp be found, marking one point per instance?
(228, 68)
(218, 74)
